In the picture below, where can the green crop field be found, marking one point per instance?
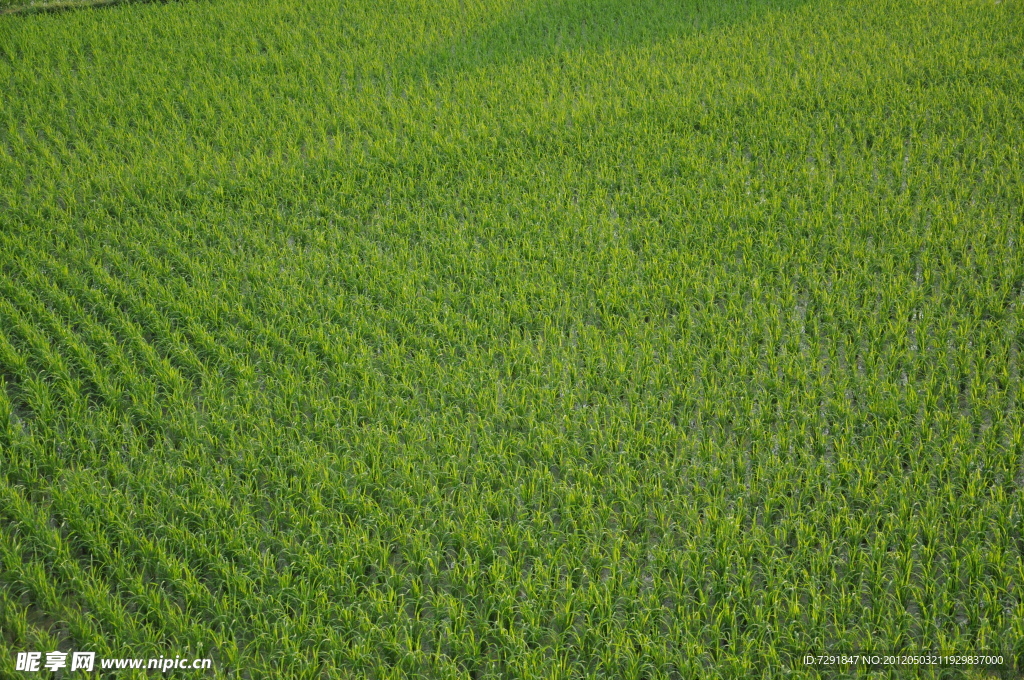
(638, 339)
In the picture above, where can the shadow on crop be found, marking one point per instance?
(546, 29)
(67, 5)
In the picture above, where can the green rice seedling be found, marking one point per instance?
(489, 339)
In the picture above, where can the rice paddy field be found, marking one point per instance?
(513, 338)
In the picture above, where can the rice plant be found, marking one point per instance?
(491, 339)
